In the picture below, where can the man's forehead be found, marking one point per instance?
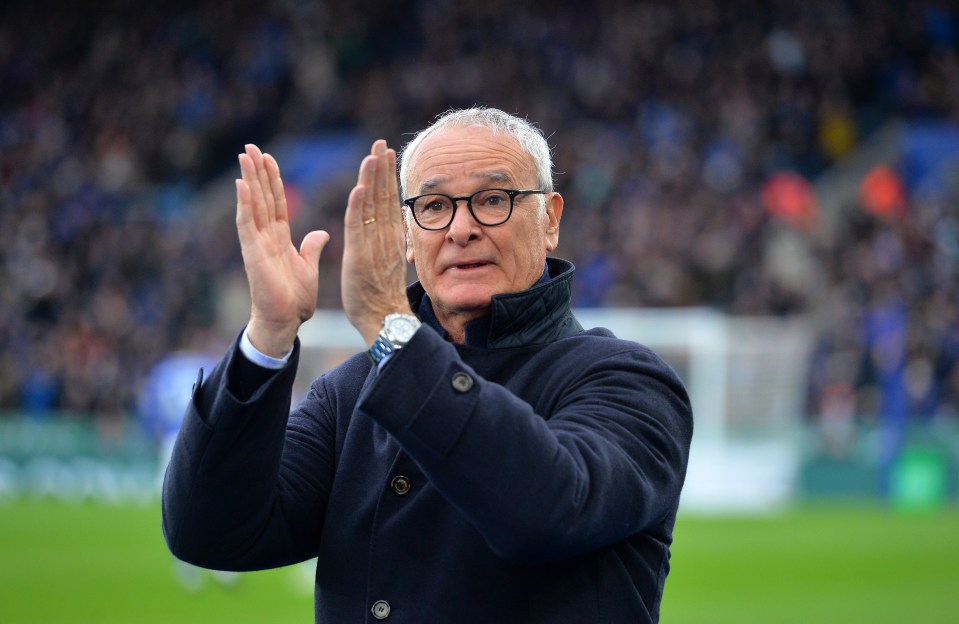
(478, 154)
(492, 177)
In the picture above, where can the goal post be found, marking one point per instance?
(746, 378)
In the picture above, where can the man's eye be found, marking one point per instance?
(492, 200)
(435, 206)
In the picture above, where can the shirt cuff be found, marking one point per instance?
(259, 358)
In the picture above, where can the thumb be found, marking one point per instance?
(312, 246)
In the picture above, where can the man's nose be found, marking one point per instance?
(463, 227)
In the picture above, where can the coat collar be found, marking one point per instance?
(539, 315)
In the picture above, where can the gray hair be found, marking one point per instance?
(529, 137)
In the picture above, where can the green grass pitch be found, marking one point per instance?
(839, 564)
(103, 564)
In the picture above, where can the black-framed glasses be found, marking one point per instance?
(435, 211)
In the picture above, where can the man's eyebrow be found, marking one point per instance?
(429, 185)
(497, 176)
(501, 177)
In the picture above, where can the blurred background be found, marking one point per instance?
(765, 193)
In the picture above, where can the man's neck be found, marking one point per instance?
(455, 323)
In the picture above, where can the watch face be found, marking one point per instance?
(401, 327)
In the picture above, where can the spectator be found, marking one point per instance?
(110, 120)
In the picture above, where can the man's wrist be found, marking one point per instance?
(397, 330)
(259, 358)
(272, 339)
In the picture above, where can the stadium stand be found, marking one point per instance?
(687, 136)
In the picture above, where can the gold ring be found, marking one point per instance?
(368, 221)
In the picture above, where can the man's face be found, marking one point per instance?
(464, 265)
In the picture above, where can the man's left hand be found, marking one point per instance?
(374, 259)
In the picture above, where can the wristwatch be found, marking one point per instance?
(397, 330)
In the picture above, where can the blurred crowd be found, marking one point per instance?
(668, 121)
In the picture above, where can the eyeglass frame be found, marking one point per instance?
(469, 205)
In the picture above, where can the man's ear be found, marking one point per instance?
(554, 214)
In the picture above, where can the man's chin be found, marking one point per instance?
(469, 301)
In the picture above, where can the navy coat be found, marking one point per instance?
(530, 475)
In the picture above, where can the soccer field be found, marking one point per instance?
(95, 563)
(838, 564)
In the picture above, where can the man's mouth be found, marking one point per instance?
(474, 265)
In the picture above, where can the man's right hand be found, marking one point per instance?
(283, 281)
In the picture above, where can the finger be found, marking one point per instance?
(276, 187)
(244, 211)
(353, 220)
(368, 182)
(312, 246)
(263, 193)
(253, 193)
(388, 200)
(362, 178)
(381, 192)
(396, 216)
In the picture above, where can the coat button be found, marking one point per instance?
(400, 485)
(381, 609)
(462, 382)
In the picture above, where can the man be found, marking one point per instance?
(162, 400)
(488, 460)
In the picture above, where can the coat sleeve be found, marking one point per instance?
(243, 491)
(606, 462)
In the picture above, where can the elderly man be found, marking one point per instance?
(488, 459)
